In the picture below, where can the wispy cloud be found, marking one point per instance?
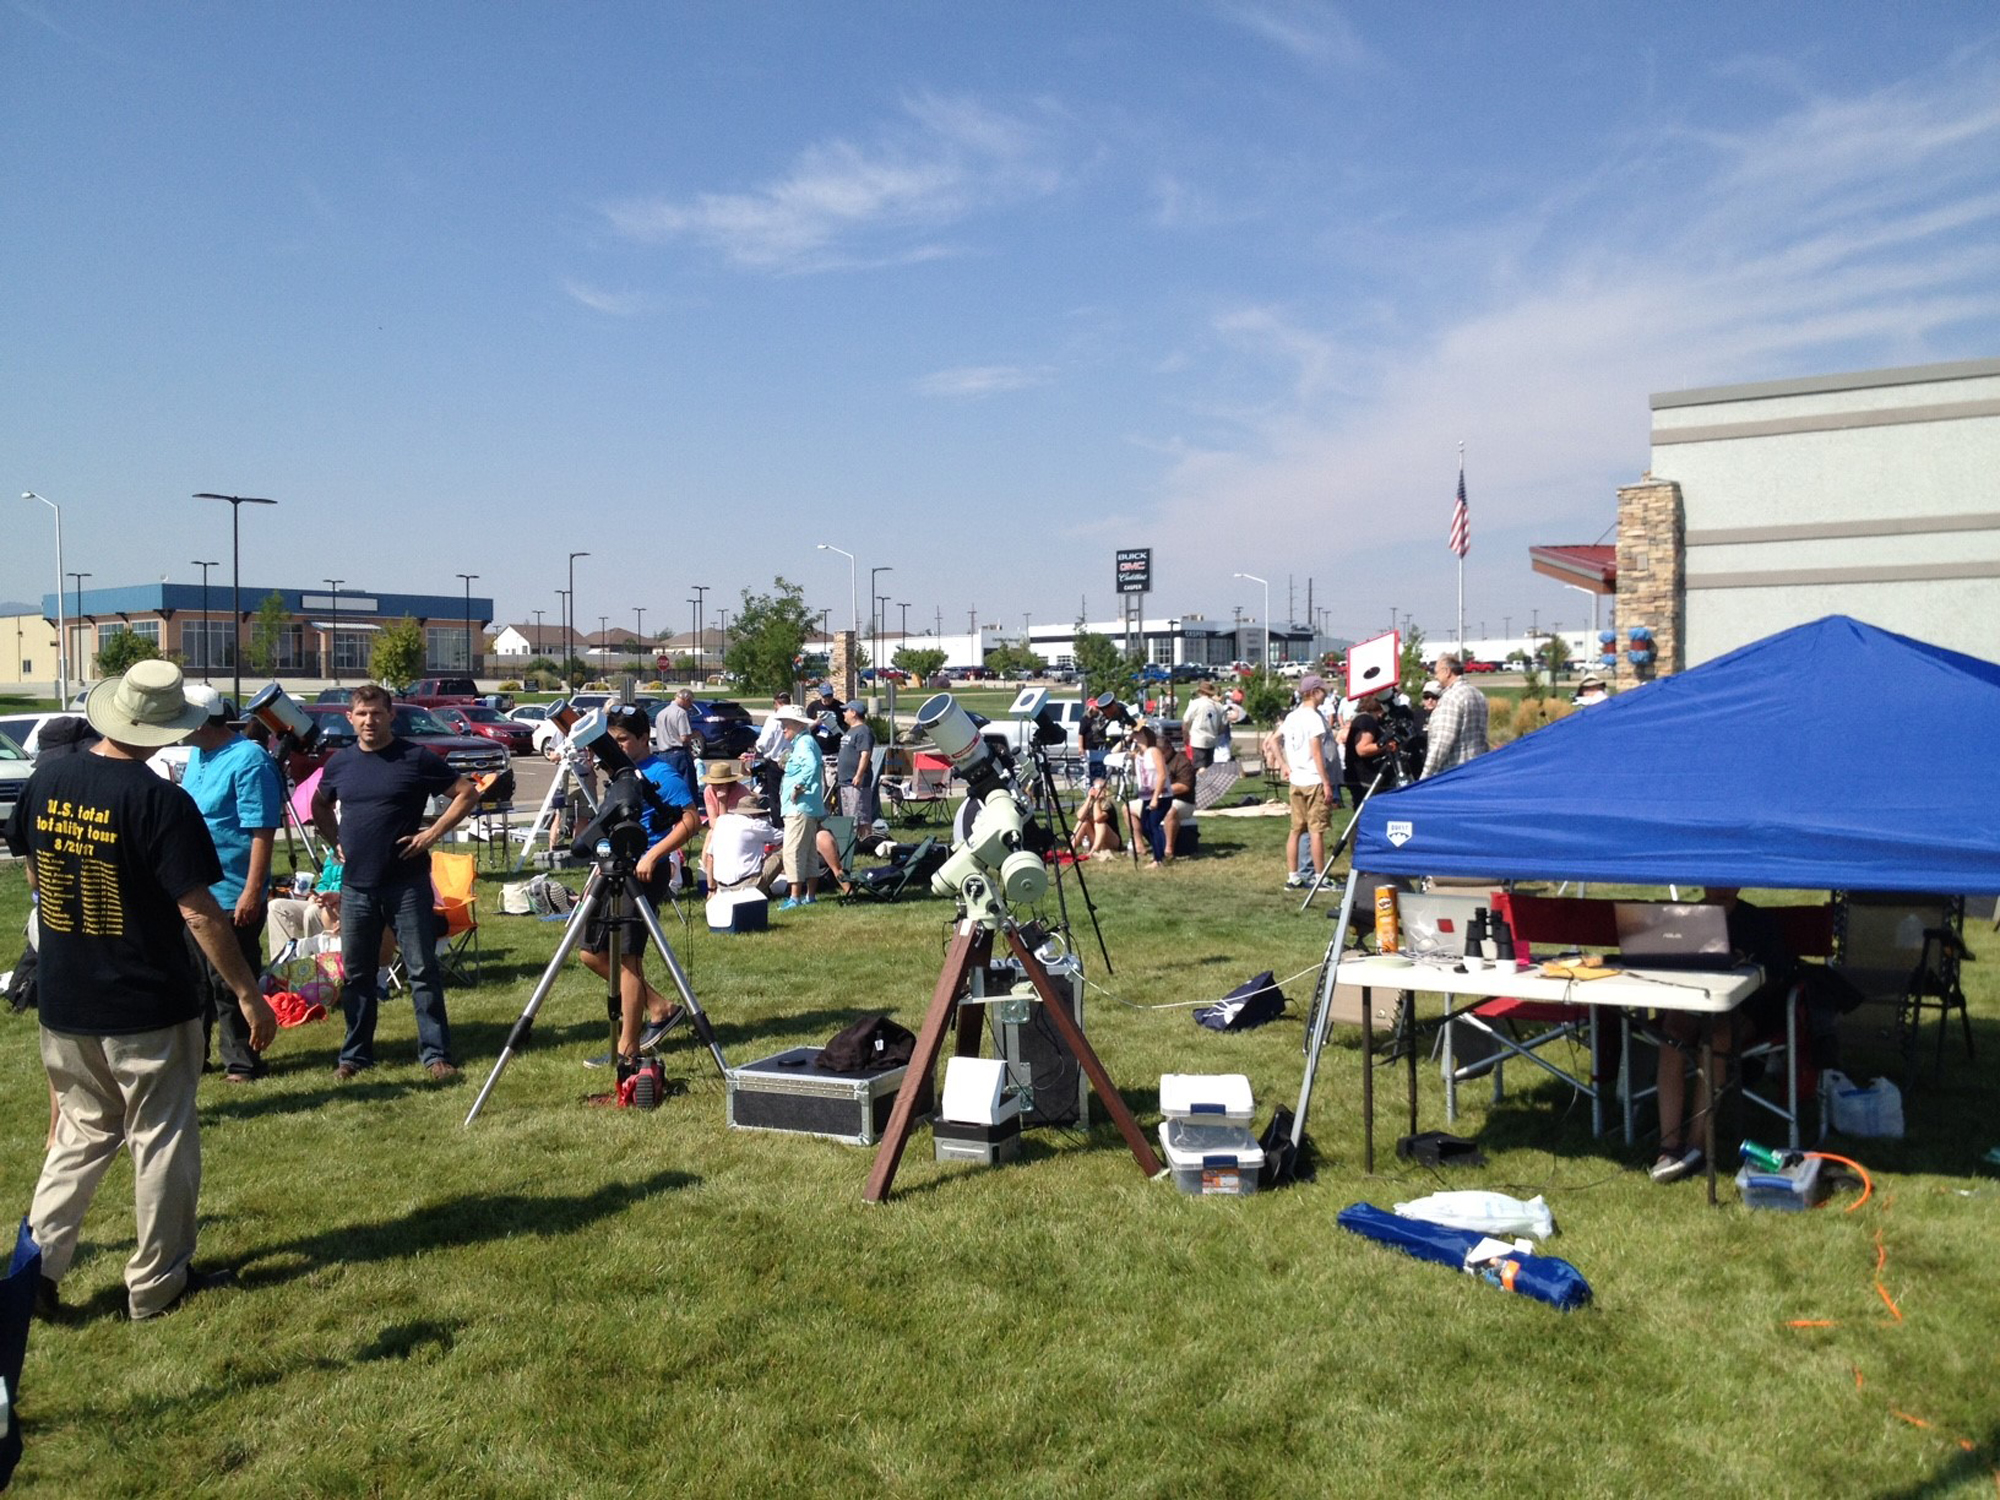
(845, 204)
(616, 304)
(1844, 233)
(1310, 31)
(974, 381)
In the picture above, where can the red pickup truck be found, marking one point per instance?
(442, 692)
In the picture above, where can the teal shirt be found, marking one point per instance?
(239, 793)
(803, 791)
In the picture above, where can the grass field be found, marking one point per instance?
(564, 1301)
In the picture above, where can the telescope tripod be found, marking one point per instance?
(970, 949)
(1391, 771)
(614, 890)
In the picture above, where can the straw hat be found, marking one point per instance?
(798, 718)
(144, 707)
(721, 773)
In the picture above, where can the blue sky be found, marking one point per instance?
(980, 293)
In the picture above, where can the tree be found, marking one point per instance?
(1411, 669)
(921, 662)
(267, 634)
(1014, 661)
(1266, 699)
(398, 657)
(1103, 667)
(1555, 652)
(121, 649)
(768, 635)
(541, 672)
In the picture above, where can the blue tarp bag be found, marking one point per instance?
(1546, 1278)
(17, 1306)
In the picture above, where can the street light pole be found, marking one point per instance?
(236, 504)
(562, 624)
(853, 599)
(700, 620)
(875, 602)
(62, 621)
(205, 652)
(639, 629)
(538, 632)
(572, 614)
(333, 629)
(1265, 665)
(470, 670)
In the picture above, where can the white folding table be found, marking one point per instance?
(1703, 994)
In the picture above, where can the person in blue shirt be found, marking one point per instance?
(236, 786)
(802, 803)
(668, 827)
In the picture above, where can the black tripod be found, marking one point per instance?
(614, 890)
(1046, 780)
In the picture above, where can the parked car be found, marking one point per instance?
(466, 754)
(1482, 666)
(721, 728)
(490, 724)
(333, 695)
(25, 730)
(15, 769)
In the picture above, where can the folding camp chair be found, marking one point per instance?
(914, 868)
(924, 796)
(1524, 1028)
(1904, 951)
(456, 904)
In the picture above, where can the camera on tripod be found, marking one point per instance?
(616, 836)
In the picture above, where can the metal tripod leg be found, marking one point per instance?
(1333, 855)
(1323, 1018)
(593, 897)
(703, 1027)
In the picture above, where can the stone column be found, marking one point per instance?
(1652, 575)
(842, 668)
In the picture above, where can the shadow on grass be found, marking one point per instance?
(1968, 1469)
(454, 1223)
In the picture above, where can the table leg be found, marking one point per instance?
(1714, 1102)
(1406, 1017)
(1367, 1079)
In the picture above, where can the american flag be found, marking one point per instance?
(1461, 520)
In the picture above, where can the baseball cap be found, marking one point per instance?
(1432, 690)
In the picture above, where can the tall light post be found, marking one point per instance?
(875, 602)
(638, 629)
(853, 598)
(603, 632)
(700, 642)
(562, 624)
(470, 670)
(333, 629)
(62, 621)
(722, 651)
(538, 632)
(1265, 665)
(77, 613)
(571, 596)
(694, 614)
(236, 504)
(205, 643)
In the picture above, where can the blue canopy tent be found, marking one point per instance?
(1834, 755)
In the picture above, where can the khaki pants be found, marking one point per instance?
(802, 861)
(136, 1092)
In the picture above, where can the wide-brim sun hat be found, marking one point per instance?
(145, 706)
(717, 772)
(797, 717)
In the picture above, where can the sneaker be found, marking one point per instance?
(793, 903)
(1672, 1168)
(655, 1032)
(196, 1283)
(1296, 882)
(441, 1071)
(48, 1302)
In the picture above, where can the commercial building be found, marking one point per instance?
(319, 635)
(1768, 505)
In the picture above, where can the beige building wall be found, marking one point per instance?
(28, 655)
(1871, 494)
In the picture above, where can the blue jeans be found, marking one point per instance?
(363, 916)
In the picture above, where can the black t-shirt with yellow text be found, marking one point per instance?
(114, 844)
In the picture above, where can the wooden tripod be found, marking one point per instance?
(971, 948)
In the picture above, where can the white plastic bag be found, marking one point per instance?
(1875, 1110)
(1485, 1213)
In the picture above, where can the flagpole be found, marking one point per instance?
(1461, 558)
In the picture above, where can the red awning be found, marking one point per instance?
(1591, 568)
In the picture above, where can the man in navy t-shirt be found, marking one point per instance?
(381, 787)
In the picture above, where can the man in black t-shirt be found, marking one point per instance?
(380, 787)
(121, 864)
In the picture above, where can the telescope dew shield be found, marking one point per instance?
(280, 713)
(950, 728)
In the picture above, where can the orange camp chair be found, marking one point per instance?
(452, 882)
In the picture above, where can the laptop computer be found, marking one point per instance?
(1434, 926)
(1672, 935)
